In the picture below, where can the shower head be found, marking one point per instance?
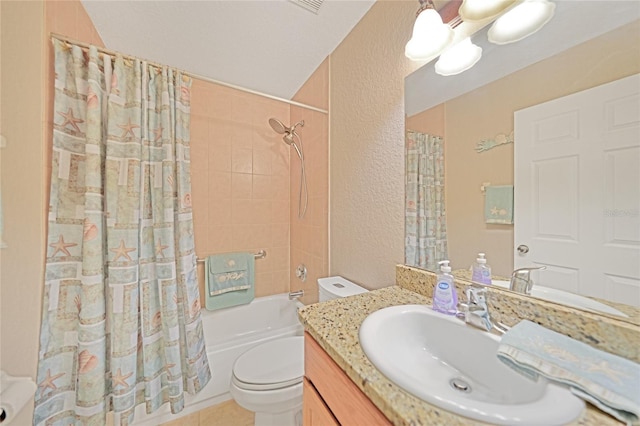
(288, 138)
(278, 126)
(288, 132)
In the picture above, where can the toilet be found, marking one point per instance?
(267, 379)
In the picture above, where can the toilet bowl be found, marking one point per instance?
(267, 379)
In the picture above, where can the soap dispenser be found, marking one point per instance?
(445, 298)
(481, 272)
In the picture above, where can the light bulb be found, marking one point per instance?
(430, 37)
(481, 10)
(521, 21)
(458, 58)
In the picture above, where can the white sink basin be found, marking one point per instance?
(566, 298)
(448, 364)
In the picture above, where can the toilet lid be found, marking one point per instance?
(275, 364)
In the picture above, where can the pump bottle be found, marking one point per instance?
(445, 298)
(481, 272)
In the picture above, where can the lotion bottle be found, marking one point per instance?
(481, 272)
(445, 298)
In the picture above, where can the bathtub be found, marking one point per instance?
(228, 333)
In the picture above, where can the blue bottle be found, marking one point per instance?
(445, 298)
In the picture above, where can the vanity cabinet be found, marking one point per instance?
(315, 412)
(330, 397)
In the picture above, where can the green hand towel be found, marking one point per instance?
(498, 204)
(229, 272)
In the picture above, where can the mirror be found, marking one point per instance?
(585, 45)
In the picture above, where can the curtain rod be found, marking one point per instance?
(192, 75)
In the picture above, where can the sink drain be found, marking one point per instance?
(460, 385)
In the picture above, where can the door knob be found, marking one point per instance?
(523, 249)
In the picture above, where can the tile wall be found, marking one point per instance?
(240, 180)
(245, 182)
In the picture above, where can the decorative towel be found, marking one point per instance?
(229, 280)
(610, 382)
(498, 204)
(228, 272)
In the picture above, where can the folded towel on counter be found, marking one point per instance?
(498, 204)
(610, 382)
(229, 272)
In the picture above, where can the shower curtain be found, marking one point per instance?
(121, 319)
(425, 224)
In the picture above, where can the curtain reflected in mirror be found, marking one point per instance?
(425, 222)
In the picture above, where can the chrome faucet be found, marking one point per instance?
(521, 280)
(475, 311)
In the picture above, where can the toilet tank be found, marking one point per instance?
(337, 287)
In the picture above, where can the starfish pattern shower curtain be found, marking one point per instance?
(121, 321)
(425, 219)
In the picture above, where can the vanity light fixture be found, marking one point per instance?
(430, 35)
(523, 20)
(458, 58)
(512, 21)
(483, 10)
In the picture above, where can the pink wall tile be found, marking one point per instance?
(239, 148)
(262, 187)
(219, 212)
(261, 161)
(280, 235)
(219, 184)
(241, 185)
(220, 156)
(280, 211)
(241, 160)
(221, 239)
(241, 213)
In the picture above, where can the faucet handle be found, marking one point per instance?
(526, 271)
(521, 279)
(476, 296)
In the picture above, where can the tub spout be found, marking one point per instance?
(296, 294)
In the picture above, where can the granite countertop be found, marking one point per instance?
(335, 324)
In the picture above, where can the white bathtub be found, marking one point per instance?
(228, 333)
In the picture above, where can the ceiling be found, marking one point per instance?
(271, 46)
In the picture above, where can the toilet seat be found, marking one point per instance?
(272, 365)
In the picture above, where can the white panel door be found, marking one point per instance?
(577, 191)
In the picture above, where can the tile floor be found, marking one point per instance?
(227, 413)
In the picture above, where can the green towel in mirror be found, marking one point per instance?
(498, 204)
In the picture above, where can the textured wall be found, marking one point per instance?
(22, 186)
(27, 123)
(367, 145)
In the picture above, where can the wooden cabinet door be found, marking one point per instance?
(347, 402)
(315, 412)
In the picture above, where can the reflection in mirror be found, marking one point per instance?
(476, 124)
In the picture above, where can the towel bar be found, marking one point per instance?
(259, 255)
